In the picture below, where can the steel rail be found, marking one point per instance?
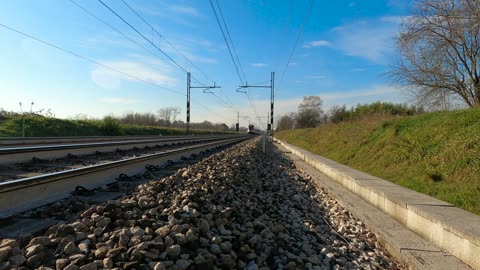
(27, 149)
(20, 141)
(18, 154)
(11, 141)
(24, 194)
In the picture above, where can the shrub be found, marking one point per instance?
(110, 126)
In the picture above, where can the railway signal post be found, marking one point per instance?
(189, 87)
(272, 98)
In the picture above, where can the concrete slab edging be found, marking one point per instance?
(450, 228)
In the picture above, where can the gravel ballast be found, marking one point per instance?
(237, 209)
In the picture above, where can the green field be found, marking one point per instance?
(39, 126)
(434, 153)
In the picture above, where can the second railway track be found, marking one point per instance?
(13, 154)
(26, 193)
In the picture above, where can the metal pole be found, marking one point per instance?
(188, 102)
(272, 101)
(237, 127)
(266, 122)
(23, 125)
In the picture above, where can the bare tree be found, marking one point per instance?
(168, 114)
(287, 121)
(309, 112)
(439, 52)
(338, 114)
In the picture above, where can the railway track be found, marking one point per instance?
(16, 153)
(22, 194)
(237, 209)
(18, 141)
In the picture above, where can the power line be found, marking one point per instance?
(143, 36)
(235, 60)
(166, 40)
(88, 59)
(226, 41)
(113, 28)
(121, 33)
(283, 33)
(298, 38)
(251, 104)
(138, 32)
(288, 16)
(231, 41)
(225, 103)
(99, 64)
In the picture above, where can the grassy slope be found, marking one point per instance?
(436, 153)
(43, 126)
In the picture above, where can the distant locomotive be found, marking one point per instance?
(253, 130)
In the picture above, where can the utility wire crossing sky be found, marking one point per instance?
(99, 57)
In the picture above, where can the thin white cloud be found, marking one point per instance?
(174, 13)
(119, 100)
(319, 77)
(292, 64)
(259, 65)
(187, 10)
(148, 69)
(368, 39)
(373, 91)
(394, 19)
(316, 43)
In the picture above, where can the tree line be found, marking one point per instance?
(167, 117)
(310, 113)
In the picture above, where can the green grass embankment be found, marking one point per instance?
(435, 153)
(38, 126)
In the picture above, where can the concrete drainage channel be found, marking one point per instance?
(444, 229)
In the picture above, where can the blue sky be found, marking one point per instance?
(345, 48)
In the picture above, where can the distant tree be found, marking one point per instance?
(178, 124)
(439, 53)
(110, 126)
(168, 114)
(309, 112)
(287, 121)
(338, 114)
(222, 127)
(144, 119)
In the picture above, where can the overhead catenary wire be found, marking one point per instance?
(113, 28)
(283, 33)
(289, 13)
(98, 63)
(173, 62)
(297, 39)
(166, 40)
(226, 42)
(235, 60)
(149, 41)
(251, 104)
(89, 59)
(231, 41)
(224, 102)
